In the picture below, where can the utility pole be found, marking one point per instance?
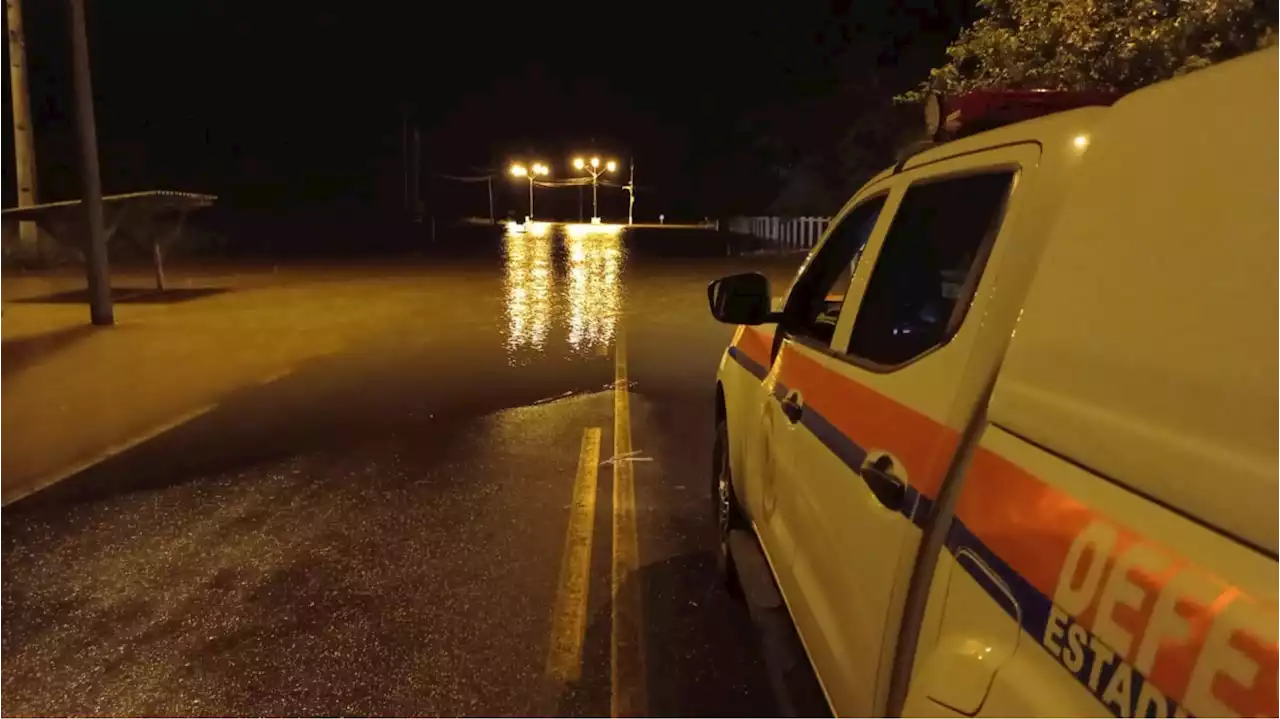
(631, 195)
(404, 156)
(579, 203)
(418, 208)
(24, 150)
(489, 181)
(100, 311)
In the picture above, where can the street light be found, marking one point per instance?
(532, 171)
(592, 167)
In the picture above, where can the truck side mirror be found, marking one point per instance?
(741, 299)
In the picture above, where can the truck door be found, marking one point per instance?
(866, 421)
(815, 298)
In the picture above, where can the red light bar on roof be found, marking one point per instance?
(980, 110)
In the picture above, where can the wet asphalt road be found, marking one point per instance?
(381, 532)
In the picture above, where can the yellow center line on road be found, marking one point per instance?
(628, 695)
(569, 620)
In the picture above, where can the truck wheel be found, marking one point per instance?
(725, 504)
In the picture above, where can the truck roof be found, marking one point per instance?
(1146, 351)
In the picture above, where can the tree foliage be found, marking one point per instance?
(842, 127)
(1111, 45)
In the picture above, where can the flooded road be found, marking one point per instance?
(425, 521)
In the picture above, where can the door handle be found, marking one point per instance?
(878, 472)
(793, 406)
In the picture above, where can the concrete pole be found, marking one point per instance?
(24, 150)
(100, 311)
(404, 158)
(631, 195)
(489, 181)
(418, 207)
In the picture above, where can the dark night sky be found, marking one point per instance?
(289, 104)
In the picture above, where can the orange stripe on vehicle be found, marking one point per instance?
(873, 420)
(755, 343)
(1004, 506)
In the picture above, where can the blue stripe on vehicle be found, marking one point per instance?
(923, 508)
(1034, 605)
(755, 368)
(840, 444)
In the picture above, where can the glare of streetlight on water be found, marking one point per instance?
(530, 286)
(594, 288)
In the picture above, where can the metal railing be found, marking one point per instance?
(799, 233)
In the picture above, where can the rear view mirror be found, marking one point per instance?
(740, 299)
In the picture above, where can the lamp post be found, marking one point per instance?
(532, 171)
(23, 143)
(592, 167)
(100, 302)
(631, 195)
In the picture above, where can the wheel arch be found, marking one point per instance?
(732, 444)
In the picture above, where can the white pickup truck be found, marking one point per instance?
(1008, 446)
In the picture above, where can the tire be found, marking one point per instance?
(724, 505)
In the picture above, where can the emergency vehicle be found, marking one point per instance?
(1008, 445)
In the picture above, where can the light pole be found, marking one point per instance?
(24, 149)
(531, 172)
(592, 167)
(631, 195)
(99, 279)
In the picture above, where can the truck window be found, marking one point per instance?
(815, 301)
(929, 266)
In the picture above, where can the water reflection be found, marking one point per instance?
(587, 304)
(529, 282)
(594, 291)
